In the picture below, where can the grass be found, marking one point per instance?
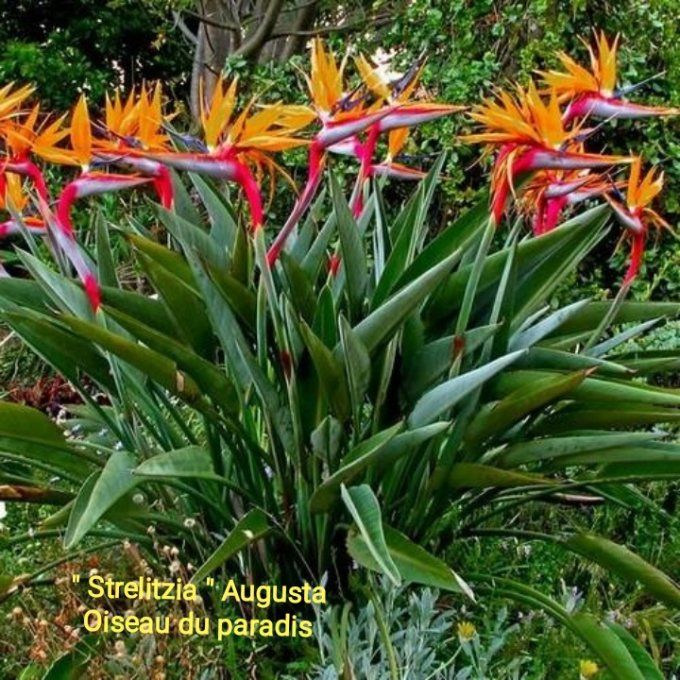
(540, 648)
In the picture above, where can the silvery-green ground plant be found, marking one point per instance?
(409, 629)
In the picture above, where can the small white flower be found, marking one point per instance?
(189, 522)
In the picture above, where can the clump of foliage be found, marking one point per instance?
(401, 629)
(67, 46)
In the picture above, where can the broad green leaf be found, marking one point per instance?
(415, 565)
(326, 439)
(178, 297)
(536, 284)
(66, 352)
(651, 362)
(316, 254)
(626, 564)
(448, 241)
(537, 332)
(242, 300)
(253, 526)
(382, 322)
(301, 293)
(647, 452)
(64, 293)
(608, 646)
(477, 476)
(139, 306)
(619, 338)
(193, 238)
(595, 389)
(550, 358)
(110, 485)
(357, 362)
(363, 506)
(644, 661)
(242, 365)
(157, 366)
(354, 462)
(325, 324)
(555, 447)
(300, 243)
(548, 251)
(352, 248)
(494, 420)
(330, 371)
(224, 227)
(409, 231)
(184, 206)
(440, 399)
(30, 434)
(208, 377)
(191, 461)
(23, 293)
(595, 415)
(106, 268)
(643, 470)
(166, 258)
(431, 361)
(630, 312)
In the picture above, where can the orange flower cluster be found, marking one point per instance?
(133, 144)
(536, 134)
(539, 135)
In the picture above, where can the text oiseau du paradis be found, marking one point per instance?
(243, 597)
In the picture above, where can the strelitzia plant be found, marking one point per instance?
(284, 422)
(529, 134)
(548, 194)
(14, 201)
(233, 143)
(374, 107)
(635, 214)
(407, 112)
(130, 131)
(595, 93)
(90, 182)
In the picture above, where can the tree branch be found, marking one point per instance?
(186, 32)
(263, 33)
(338, 28)
(304, 19)
(227, 26)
